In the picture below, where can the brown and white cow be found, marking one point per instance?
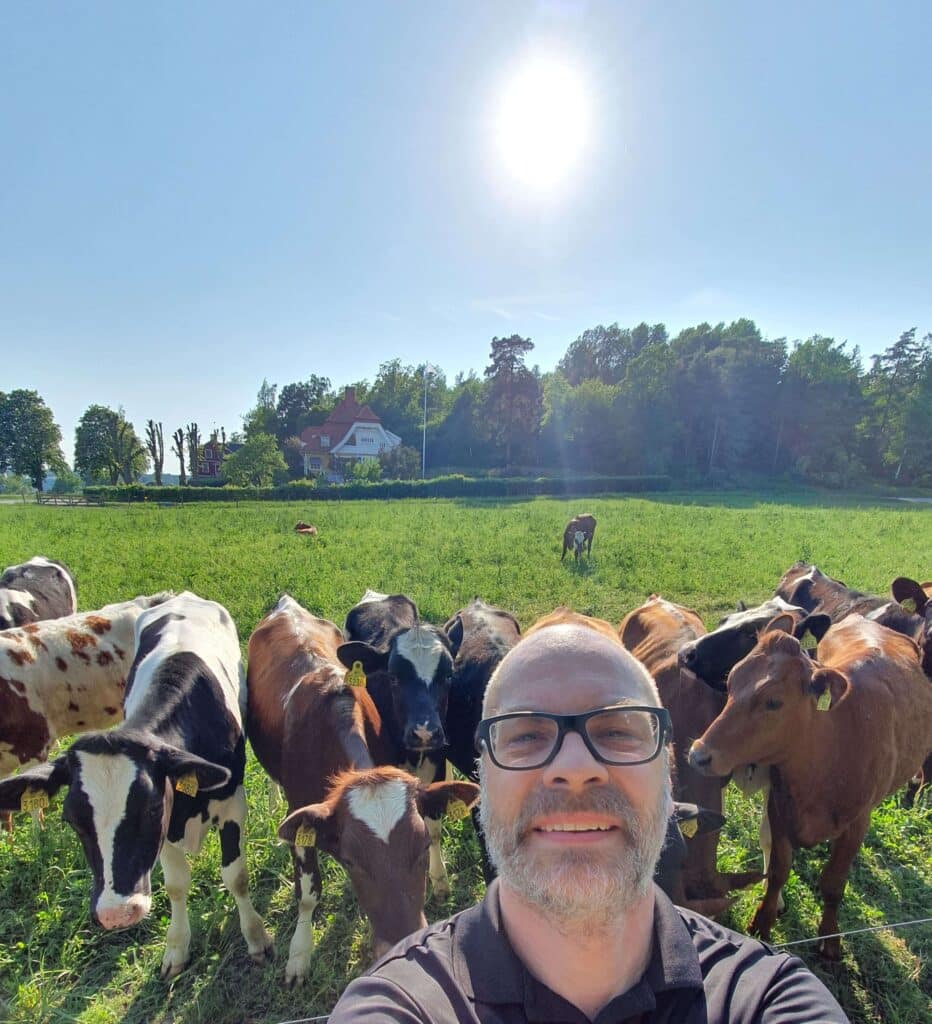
(36, 590)
(63, 676)
(654, 633)
(154, 785)
(840, 734)
(317, 732)
(578, 534)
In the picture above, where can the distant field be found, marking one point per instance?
(701, 550)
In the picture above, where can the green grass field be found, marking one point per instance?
(701, 550)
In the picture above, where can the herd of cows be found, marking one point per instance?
(821, 696)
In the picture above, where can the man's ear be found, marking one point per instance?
(43, 780)
(313, 825)
(454, 631)
(828, 686)
(782, 623)
(909, 594)
(440, 798)
(179, 766)
(355, 650)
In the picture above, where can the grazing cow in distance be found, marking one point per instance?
(840, 734)
(36, 590)
(320, 737)
(409, 667)
(62, 676)
(306, 528)
(806, 586)
(577, 535)
(480, 636)
(654, 633)
(152, 786)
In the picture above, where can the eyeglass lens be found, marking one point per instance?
(617, 734)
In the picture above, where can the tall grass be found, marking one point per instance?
(704, 551)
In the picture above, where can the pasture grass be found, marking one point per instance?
(705, 551)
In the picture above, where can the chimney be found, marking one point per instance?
(349, 395)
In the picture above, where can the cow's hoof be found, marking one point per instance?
(173, 964)
(830, 950)
(761, 925)
(262, 955)
(295, 971)
(440, 889)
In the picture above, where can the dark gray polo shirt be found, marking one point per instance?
(463, 970)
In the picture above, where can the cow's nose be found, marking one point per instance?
(425, 737)
(123, 915)
(698, 758)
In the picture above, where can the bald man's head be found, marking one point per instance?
(571, 646)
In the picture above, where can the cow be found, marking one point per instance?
(409, 667)
(806, 586)
(316, 731)
(687, 822)
(62, 676)
(152, 786)
(308, 529)
(480, 636)
(910, 613)
(577, 535)
(839, 733)
(36, 590)
(654, 633)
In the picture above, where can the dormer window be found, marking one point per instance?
(325, 440)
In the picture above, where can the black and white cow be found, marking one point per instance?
(36, 590)
(408, 665)
(152, 786)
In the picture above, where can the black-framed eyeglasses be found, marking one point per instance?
(623, 734)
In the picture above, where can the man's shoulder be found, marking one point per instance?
(435, 941)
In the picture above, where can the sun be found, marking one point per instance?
(542, 123)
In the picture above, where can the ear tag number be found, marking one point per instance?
(809, 642)
(356, 676)
(910, 605)
(187, 784)
(825, 701)
(305, 836)
(456, 810)
(689, 827)
(33, 800)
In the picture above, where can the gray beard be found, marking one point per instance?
(577, 889)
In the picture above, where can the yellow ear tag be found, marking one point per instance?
(33, 800)
(825, 701)
(356, 676)
(305, 836)
(187, 784)
(456, 810)
(910, 605)
(689, 827)
(808, 642)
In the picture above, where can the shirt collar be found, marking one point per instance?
(489, 971)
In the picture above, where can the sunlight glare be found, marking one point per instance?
(542, 123)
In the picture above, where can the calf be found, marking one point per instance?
(63, 676)
(409, 667)
(578, 535)
(320, 737)
(152, 786)
(839, 734)
(654, 633)
(480, 636)
(36, 590)
(688, 822)
(806, 586)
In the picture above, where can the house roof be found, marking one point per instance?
(346, 412)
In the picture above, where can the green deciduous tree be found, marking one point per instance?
(30, 440)
(400, 463)
(106, 446)
(256, 464)
(303, 404)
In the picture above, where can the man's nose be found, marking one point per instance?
(574, 766)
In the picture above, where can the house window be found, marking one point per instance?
(325, 440)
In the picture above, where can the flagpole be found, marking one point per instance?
(424, 429)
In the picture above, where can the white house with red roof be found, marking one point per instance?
(352, 431)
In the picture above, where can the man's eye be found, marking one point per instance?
(524, 738)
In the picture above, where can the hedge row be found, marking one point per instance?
(438, 487)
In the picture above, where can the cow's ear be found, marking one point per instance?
(802, 595)
(828, 687)
(909, 594)
(741, 607)
(313, 825)
(814, 626)
(782, 623)
(180, 767)
(44, 780)
(355, 650)
(454, 633)
(453, 798)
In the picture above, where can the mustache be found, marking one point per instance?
(601, 800)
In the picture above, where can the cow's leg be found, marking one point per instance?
(307, 887)
(177, 873)
(778, 871)
(434, 768)
(565, 549)
(765, 840)
(236, 879)
(833, 880)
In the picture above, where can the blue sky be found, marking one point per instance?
(194, 197)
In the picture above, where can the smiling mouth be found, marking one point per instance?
(575, 828)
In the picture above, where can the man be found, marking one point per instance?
(575, 798)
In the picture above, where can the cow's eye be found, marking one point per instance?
(773, 704)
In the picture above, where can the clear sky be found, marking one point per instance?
(197, 196)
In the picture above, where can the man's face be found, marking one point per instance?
(577, 838)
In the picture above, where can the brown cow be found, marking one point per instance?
(310, 723)
(805, 585)
(307, 529)
(840, 734)
(578, 534)
(654, 634)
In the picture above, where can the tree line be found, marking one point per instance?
(714, 403)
